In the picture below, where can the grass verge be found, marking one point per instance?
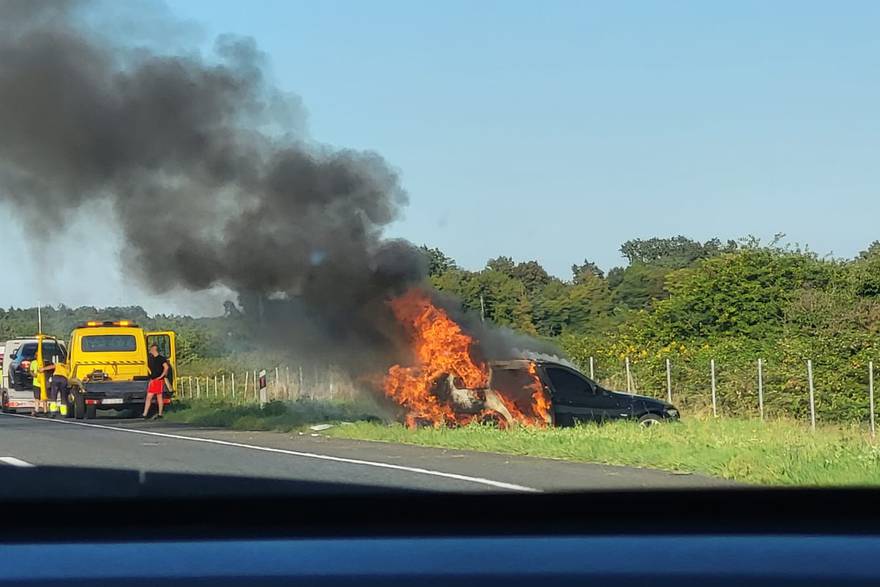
(780, 452)
(774, 453)
(278, 416)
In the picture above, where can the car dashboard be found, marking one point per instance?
(226, 531)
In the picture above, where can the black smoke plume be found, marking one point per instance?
(200, 163)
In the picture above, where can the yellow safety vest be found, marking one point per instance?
(60, 370)
(35, 371)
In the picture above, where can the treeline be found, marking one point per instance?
(198, 338)
(693, 302)
(675, 298)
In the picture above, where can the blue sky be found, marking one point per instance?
(557, 130)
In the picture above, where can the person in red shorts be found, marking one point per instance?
(159, 367)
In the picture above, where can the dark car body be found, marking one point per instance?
(20, 377)
(576, 398)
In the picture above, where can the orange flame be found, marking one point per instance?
(441, 349)
(541, 402)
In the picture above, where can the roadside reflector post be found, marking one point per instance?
(592, 372)
(668, 380)
(256, 398)
(714, 390)
(871, 395)
(215, 386)
(299, 391)
(628, 377)
(198, 388)
(263, 390)
(287, 383)
(244, 395)
(812, 395)
(232, 376)
(277, 384)
(761, 388)
(224, 385)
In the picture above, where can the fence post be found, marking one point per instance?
(628, 377)
(871, 394)
(668, 380)
(198, 388)
(232, 376)
(592, 373)
(255, 386)
(812, 395)
(714, 391)
(224, 385)
(215, 386)
(761, 388)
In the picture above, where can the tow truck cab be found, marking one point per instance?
(107, 363)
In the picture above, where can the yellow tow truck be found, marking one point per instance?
(107, 366)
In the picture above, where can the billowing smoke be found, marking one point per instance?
(200, 162)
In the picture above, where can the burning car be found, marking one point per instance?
(447, 385)
(542, 393)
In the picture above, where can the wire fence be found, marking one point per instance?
(281, 383)
(753, 390)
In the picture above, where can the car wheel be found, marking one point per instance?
(91, 412)
(79, 405)
(494, 420)
(649, 420)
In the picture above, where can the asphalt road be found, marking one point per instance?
(159, 447)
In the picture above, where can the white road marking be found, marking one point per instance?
(15, 462)
(309, 455)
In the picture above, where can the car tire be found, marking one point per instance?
(649, 420)
(79, 405)
(91, 412)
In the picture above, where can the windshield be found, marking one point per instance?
(109, 343)
(443, 246)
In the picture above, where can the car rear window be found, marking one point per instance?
(109, 343)
(27, 351)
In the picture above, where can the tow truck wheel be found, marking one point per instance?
(91, 412)
(79, 405)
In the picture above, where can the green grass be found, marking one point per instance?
(775, 453)
(780, 452)
(278, 416)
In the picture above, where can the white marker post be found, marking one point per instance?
(871, 395)
(232, 377)
(592, 372)
(761, 388)
(256, 397)
(224, 385)
(263, 395)
(198, 388)
(628, 377)
(714, 390)
(668, 381)
(812, 395)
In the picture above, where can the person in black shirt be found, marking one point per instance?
(159, 368)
